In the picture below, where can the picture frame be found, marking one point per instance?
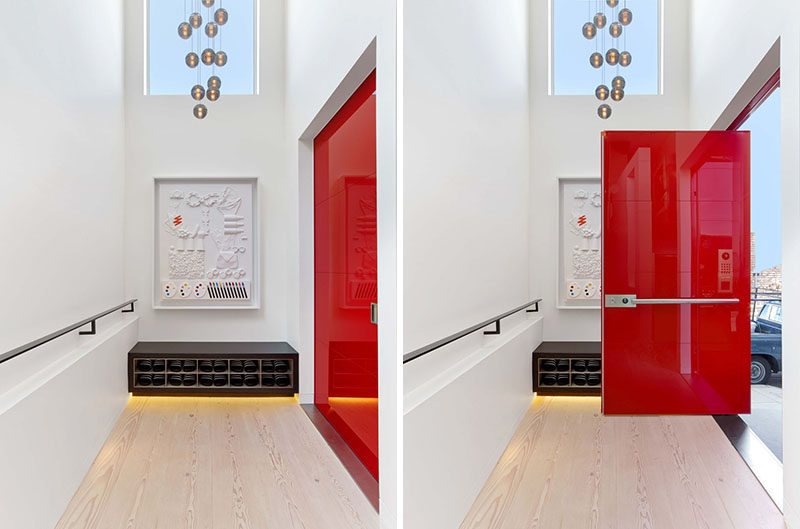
(205, 243)
(580, 222)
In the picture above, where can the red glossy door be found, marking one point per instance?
(346, 274)
(676, 272)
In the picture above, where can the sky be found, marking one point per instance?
(572, 73)
(765, 180)
(168, 71)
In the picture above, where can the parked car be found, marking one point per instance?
(765, 343)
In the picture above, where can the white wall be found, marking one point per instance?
(458, 424)
(242, 136)
(465, 257)
(62, 208)
(331, 47)
(61, 144)
(465, 179)
(565, 141)
(727, 45)
(53, 424)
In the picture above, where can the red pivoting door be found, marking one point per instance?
(676, 272)
(346, 274)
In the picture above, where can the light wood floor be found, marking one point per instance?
(214, 463)
(570, 467)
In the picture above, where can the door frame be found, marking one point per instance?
(354, 78)
(763, 81)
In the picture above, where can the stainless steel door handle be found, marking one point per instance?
(373, 313)
(630, 301)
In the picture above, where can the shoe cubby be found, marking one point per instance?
(567, 368)
(212, 368)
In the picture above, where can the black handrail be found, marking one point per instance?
(422, 351)
(52, 336)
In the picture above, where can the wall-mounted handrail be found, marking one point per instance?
(422, 351)
(92, 320)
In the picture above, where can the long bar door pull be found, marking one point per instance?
(628, 301)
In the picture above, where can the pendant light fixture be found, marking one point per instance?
(205, 49)
(192, 59)
(195, 20)
(600, 20)
(611, 57)
(221, 16)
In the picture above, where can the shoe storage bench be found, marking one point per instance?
(212, 369)
(567, 368)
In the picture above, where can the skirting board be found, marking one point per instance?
(51, 436)
(454, 437)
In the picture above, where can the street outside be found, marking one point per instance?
(765, 413)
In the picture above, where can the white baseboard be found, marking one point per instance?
(53, 424)
(458, 424)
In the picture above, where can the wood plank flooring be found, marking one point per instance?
(216, 463)
(569, 467)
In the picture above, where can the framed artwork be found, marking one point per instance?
(206, 243)
(580, 225)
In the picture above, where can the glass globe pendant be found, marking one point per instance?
(612, 3)
(184, 30)
(604, 111)
(625, 58)
(192, 60)
(589, 30)
(618, 82)
(195, 20)
(208, 3)
(208, 56)
(615, 30)
(214, 82)
(612, 56)
(221, 59)
(596, 60)
(617, 94)
(600, 20)
(200, 111)
(211, 30)
(198, 92)
(601, 92)
(213, 94)
(625, 16)
(221, 16)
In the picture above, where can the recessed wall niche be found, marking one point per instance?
(206, 243)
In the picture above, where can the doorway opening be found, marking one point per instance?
(346, 274)
(763, 119)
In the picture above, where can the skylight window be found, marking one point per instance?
(571, 71)
(168, 73)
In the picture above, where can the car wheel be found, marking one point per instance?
(760, 370)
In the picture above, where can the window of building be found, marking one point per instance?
(166, 68)
(570, 70)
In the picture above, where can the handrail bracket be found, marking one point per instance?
(496, 328)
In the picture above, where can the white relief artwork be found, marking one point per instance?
(581, 231)
(205, 241)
